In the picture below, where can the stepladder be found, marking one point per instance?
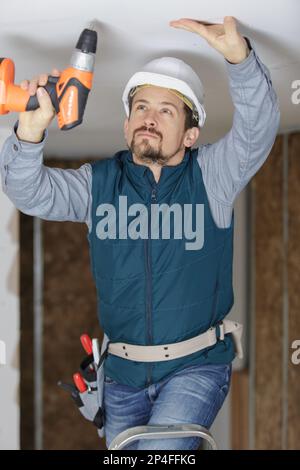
(133, 434)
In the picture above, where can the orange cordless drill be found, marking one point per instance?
(68, 93)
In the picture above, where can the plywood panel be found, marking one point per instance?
(240, 410)
(268, 187)
(293, 429)
(69, 311)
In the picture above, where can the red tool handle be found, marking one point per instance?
(79, 382)
(87, 343)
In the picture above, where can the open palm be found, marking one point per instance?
(225, 37)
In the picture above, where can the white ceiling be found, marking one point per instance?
(39, 36)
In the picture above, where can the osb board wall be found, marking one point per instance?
(240, 410)
(69, 309)
(276, 220)
(293, 273)
(268, 300)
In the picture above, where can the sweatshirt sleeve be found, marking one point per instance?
(37, 190)
(228, 164)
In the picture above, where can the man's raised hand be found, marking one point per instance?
(225, 37)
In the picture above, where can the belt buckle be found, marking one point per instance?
(221, 329)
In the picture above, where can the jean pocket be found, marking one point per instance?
(109, 380)
(228, 373)
(224, 389)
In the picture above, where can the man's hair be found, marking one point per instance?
(189, 122)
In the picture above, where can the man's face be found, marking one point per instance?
(155, 129)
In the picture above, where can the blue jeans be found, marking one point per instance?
(193, 395)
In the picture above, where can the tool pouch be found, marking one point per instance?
(90, 402)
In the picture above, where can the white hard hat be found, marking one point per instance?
(174, 74)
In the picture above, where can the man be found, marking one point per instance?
(161, 300)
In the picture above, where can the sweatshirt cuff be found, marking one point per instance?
(245, 69)
(27, 147)
(15, 151)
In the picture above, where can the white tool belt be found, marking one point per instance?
(166, 352)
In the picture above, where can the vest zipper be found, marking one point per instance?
(149, 286)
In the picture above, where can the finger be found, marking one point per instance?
(24, 84)
(44, 101)
(55, 72)
(230, 26)
(43, 78)
(184, 23)
(33, 86)
(178, 24)
(192, 26)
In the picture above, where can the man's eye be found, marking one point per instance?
(140, 106)
(166, 110)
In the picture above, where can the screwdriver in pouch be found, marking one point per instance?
(87, 346)
(79, 382)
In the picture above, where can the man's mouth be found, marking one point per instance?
(147, 135)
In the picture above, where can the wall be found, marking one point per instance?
(275, 382)
(9, 320)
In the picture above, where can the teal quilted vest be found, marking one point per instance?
(154, 291)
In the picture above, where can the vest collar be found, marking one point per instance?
(143, 179)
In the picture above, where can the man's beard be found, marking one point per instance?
(147, 153)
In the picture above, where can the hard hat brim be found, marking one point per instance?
(164, 81)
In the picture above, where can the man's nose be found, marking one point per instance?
(150, 120)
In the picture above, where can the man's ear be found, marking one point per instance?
(191, 135)
(125, 128)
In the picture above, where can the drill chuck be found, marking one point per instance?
(87, 41)
(83, 57)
